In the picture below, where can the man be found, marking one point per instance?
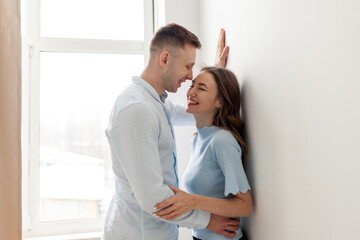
(142, 143)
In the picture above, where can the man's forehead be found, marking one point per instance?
(189, 54)
(188, 49)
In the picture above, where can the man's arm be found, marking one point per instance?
(133, 137)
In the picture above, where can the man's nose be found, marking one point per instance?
(190, 75)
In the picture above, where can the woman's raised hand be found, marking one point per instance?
(222, 51)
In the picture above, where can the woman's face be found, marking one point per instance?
(202, 96)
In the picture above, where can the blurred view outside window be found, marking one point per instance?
(94, 19)
(77, 92)
(78, 56)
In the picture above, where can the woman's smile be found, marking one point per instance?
(191, 102)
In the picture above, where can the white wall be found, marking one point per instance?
(298, 63)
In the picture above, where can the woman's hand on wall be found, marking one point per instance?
(222, 51)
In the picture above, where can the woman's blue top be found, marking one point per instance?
(215, 170)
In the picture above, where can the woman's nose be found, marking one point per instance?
(191, 92)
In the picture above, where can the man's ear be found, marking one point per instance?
(164, 58)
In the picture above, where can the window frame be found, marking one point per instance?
(32, 45)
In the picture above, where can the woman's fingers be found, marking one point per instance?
(163, 204)
(222, 51)
(225, 52)
(171, 216)
(165, 211)
(169, 201)
(223, 57)
(221, 40)
(174, 189)
(170, 213)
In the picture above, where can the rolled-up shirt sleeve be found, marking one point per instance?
(133, 137)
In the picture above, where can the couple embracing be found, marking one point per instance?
(148, 204)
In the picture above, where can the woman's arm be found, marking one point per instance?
(240, 205)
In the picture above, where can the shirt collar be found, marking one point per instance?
(150, 89)
(206, 131)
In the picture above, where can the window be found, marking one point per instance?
(78, 55)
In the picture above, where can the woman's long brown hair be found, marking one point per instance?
(228, 115)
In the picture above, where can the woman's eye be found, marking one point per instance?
(202, 89)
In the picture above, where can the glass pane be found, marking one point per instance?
(77, 92)
(94, 19)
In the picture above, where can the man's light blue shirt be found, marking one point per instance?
(141, 138)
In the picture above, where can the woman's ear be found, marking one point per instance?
(218, 103)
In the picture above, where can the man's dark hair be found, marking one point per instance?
(173, 36)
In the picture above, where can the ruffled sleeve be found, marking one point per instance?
(228, 155)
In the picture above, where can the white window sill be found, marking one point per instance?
(78, 236)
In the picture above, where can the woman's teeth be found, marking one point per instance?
(192, 102)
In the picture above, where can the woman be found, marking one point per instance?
(215, 177)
